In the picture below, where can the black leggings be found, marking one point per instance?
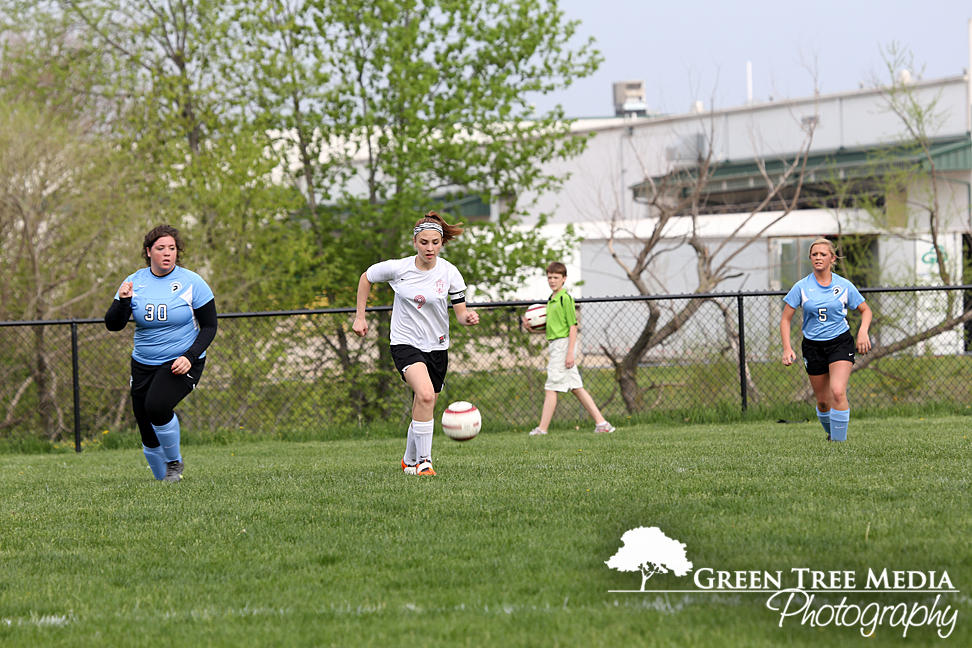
(156, 391)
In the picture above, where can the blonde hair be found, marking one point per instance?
(830, 246)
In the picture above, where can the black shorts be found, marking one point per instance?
(819, 355)
(437, 362)
(143, 375)
(156, 391)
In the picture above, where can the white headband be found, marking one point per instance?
(421, 227)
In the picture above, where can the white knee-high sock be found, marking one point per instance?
(410, 459)
(168, 435)
(422, 431)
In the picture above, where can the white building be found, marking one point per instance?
(857, 139)
(850, 131)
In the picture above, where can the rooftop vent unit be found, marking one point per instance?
(629, 99)
(688, 151)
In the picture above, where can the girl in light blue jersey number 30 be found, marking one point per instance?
(175, 321)
(828, 346)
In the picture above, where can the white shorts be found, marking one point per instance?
(559, 377)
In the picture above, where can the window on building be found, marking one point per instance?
(791, 260)
(469, 209)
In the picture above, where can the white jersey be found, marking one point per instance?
(420, 314)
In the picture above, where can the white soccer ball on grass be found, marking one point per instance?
(461, 421)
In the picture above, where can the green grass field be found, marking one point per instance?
(277, 543)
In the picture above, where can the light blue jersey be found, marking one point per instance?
(165, 326)
(824, 307)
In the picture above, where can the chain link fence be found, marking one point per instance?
(270, 373)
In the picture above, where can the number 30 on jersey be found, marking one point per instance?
(159, 312)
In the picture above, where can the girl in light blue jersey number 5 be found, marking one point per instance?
(175, 321)
(828, 346)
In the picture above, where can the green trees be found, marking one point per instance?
(64, 201)
(205, 165)
(293, 142)
(383, 110)
(315, 131)
(380, 111)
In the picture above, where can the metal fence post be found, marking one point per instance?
(742, 351)
(77, 386)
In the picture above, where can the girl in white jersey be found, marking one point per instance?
(424, 287)
(828, 346)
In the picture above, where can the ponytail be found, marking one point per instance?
(449, 232)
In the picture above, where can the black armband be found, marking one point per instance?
(206, 316)
(116, 318)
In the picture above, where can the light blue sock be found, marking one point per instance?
(156, 461)
(839, 419)
(169, 438)
(824, 420)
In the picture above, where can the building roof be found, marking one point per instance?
(947, 154)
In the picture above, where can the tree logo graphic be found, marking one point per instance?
(649, 551)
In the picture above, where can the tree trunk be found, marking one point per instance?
(41, 376)
(627, 378)
(626, 369)
(880, 352)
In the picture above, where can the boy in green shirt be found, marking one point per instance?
(562, 374)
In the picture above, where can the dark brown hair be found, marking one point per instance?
(557, 268)
(449, 232)
(155, 234)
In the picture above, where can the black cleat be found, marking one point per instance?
(173, 472)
